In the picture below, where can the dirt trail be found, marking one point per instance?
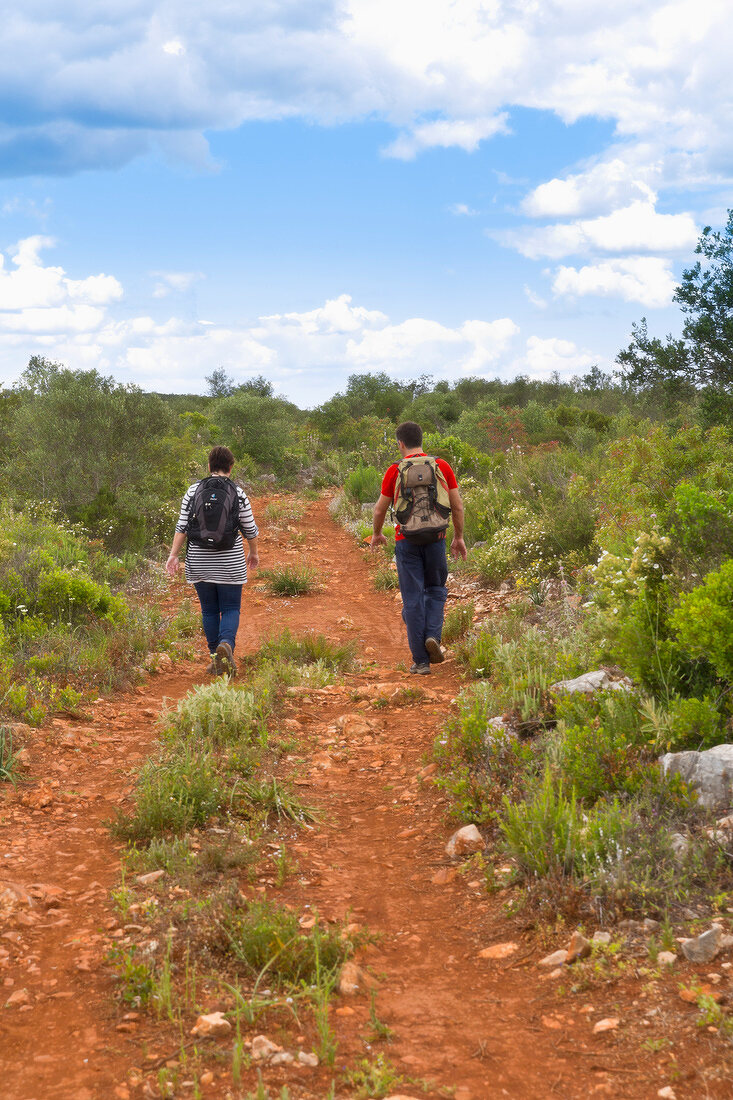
(485, 1028)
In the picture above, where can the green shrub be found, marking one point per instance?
(218, 713)
(597, 747)
(291, 580)
(386, 580)
(691, 723)
(307, 649)
(702, 621)
(363, 484)
(174, 793)
(8, 757)
(264, 936)
(458, 622)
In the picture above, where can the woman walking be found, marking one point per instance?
(215, 516)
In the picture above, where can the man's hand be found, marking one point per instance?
(458, 549)
(172, 565)
(377, 541)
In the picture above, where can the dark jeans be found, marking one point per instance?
(422, 572)
(220, 604)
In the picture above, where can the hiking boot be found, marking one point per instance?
(225, 659)
(420, 670)
(435, 653)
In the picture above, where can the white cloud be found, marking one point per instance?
(178, 281)
(605, 186)
(634, 228)
(174, 47)
(543, 357)
(645, 279)
(466, 134)
(534, 299)
(461, 210)
(28, 288)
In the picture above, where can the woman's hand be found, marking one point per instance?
(172, 565)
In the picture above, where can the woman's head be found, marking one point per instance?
(221, 460)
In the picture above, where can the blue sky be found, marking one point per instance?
(311, 190)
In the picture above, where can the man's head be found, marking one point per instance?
(409, 436)
(221, 460)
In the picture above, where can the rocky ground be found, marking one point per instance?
(476, 1000)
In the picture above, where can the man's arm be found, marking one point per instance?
(380, 514)
(457, 546)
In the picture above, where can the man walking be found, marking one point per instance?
(422, 567)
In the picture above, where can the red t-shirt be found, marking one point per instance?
(389, 482)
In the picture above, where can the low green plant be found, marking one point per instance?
(385, 579)
(458, 622)
(291, 580)
(307, 649)
(136, 977)
(375, 1078)
(702, 621)
(218, 713)
(380, 1031)
(273, 796)
(262, 937)
(8, 757)
(363, 484)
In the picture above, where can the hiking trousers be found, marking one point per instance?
(422, 573)
(220, 607)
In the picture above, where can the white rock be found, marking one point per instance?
(609, 1024)
(703, 948)
(709, 773)
(666, 958)
(306, 1059)
(601, 937)
(589, 682)
(464, 842)
(212, 1025)
(680, 845)
(282, 1058)
(263, 1048)
(667, 1093)
(557, 958)
(151, 876)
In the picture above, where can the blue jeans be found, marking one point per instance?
(220, 604)
(422, 572)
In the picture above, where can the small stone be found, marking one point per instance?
(666, 958)
(498, 951)
(667, 1093)
(211, 1026)
(151, 876)
(263, 1048)
(306, 1059)
(703, 948)
(443, 876)
(601, 937)
(552, 1023)
(557, 958)
(122, 1092)
(353, 980)
(651, 925)
(609, 1024)
(578, 948)
(20, 997)
(464, 842)
(345, 1010)
(282, 1058)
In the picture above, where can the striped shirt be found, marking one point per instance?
(218, 566)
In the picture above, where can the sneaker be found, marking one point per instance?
(420, 670)
(225, 659)
(435, 653)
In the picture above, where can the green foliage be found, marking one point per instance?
(597, 747)
(291, 580)
(307, 649)
(375, 1078)
(702, 621)
(458, 622)
(218, 713)
(261, 936)
(8, 757)
(385, 579)
(684, 723)
(363, 484)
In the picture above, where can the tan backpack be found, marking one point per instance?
(421, 502)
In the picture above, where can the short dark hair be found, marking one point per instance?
(220, 458)
(409, 433)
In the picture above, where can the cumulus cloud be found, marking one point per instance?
(462, 210)
(466, 134)
(634, 228)
(645, 279)
(79, 91)
(543, 357)
(309, 353)
(605, 186)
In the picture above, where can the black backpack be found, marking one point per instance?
(213, 520)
